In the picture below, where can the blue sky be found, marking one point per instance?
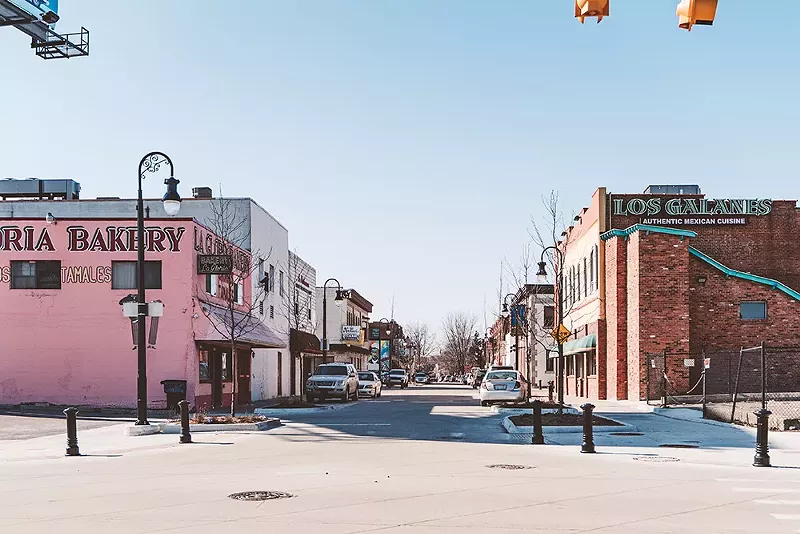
(406, 143)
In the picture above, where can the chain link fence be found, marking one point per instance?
(730, 385)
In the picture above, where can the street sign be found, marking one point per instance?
(561, 333)
(707, 363)
(688, 362)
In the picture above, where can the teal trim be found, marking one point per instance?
(774, 284)
(649, 229)
(583, 344)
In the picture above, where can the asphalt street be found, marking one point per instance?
(421, 460)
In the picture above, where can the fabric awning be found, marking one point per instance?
(583, 344)
(246, 328)
(300, 341)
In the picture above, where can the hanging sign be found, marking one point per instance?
(214, 264)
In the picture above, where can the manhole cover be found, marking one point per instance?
(260, 495)
(679, 446)
(627, 434)
(510, 467)
(656, 459)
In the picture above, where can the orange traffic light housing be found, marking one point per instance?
(591, 8)
(691, 12)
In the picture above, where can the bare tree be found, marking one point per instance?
(458, 329)
(550, 230)
(232, 230)
(422, 343)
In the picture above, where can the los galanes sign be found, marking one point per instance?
(688, 211)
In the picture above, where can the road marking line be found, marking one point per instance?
(778, 502)
(786, 517)
(355, 424)
(765, 490)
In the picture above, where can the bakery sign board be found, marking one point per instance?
(660, 210)
(214, 264)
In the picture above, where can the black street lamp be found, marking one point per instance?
(515, 319)
(339, 296)
(172, 204)
(543, 274)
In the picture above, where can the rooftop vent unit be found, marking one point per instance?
(107, 198)
(34, 188)
(672, 190)
(202, 192)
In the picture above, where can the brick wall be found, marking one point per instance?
(634, 368)
(615, 345)
(714, 308)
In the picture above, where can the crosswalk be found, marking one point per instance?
(777, 497)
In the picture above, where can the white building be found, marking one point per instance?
(535, 339)
(301, 309)
(347, 321)
(260, 233)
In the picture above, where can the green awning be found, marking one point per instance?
(583, 344)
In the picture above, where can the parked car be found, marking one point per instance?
(477, 377)
(398, 377)
(421, 378)
(502, 386)
(369, 385)
(465, 379)
(333, 380)
(433, 379)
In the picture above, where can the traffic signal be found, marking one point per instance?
(691, 12)
(591, 8)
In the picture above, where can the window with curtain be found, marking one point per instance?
(124, 276)
(227, 367)
(585, 279)
(212, 284)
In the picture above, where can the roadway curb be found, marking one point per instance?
(521, 411)
(511, 428)
(175, 428)
(287, 412)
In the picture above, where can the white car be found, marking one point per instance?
(333, 380)
(502, 386)
(369, 385)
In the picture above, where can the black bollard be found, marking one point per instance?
(588, 435)
(538, 436)
(550, 391)
(186, 437)
(72, 432)
(761, 458)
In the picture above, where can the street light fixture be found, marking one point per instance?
(339, 296)
(541, 275)
(172, 204)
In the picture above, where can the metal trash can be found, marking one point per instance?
(176, 392)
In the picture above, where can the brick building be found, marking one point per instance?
(674, 270)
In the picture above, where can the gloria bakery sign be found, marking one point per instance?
(652, 206)
(81, 239)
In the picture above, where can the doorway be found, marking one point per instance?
(243, 365)
(216, 378)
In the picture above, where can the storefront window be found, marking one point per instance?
(591, 362)
(205, 369)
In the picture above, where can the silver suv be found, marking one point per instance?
(333, 380)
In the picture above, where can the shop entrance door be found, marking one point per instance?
(216, 378)
(243, 370)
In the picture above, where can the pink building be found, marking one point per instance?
(65, 339)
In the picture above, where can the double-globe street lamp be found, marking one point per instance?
(325, 314)
(515, 319)
(172, 204)
(542, 275)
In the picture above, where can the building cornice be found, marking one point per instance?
(648, 229)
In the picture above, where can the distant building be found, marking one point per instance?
(346, 326)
